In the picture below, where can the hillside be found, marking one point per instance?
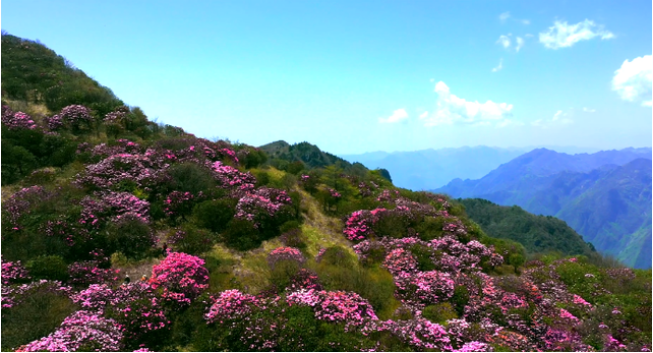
(606, 205)
(538, 234)
(146, 238)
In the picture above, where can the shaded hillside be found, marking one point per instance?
(429, 169)
(33, 73)
(538, 234)
(281, 154)
(606, 205)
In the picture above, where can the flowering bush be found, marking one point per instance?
(230, 177)
(285, 254)
(231, 305)
(75, 116)
(425, 288)
(13, 295)
(358, 226)
(183, 277)
(400, 262)
(263, 201)
(339, 307)
(81, 331)
(179, 203)
(89, 272)
(143, 170)
(18, 120)
(118, 205)
(13, 272)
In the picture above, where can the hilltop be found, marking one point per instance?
(120, 234)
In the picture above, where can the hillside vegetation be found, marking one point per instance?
(140, 237)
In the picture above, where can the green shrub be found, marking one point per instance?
(193, 240)
(215, 215)
(241, 235)
(48, 267)
(423, 255)
(391, 225)
(38, 316)
(459, 299)
(439, 313)
(430, 228)
(190, 177)
(130, 236)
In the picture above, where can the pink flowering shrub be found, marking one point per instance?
(76, 117)
(420, 334)
(425, 288)
(261, 202)
(12, 272)
(337, 307)
(81, 331)
(141, 170)
(232, 178)
(231, 305)
(183, 277)
(18, 120)
(21, 203)
(358, 226)
(138, 307)
(285, 254)
(89, 272)
(113, 206)
(400, 262)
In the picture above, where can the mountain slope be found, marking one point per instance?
(538, 234)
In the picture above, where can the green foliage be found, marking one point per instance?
(32, 72)
(439, 313)
(538, 234)
(195, 240)
(430, 228)
(460, 299)
(241, 235)
(190, 177)
(423, 255)
(339, 270)
(38, 316)
(130, 236)
(51, 267)
(214, 215)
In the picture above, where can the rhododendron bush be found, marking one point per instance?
(183, 277)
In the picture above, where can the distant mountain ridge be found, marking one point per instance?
(604, 196)
(429, 169)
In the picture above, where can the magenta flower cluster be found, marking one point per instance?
(81, 331)
(230, 177)
(113, 206)
(231, 305)
(183, 277)
(13, 271)
(263, 200)
(285, 253)
(17, 120)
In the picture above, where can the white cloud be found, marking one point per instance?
(498, 67)
(528, 35)
(632, 80)
(563, 35)
(451, 109)
(397, 116)
(504, 40)
(559, 118)
(504, 16)
(520, 43)
(424, 115)
(589, 110)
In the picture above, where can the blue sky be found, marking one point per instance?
(363, 76)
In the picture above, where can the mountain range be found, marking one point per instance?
(604, 196)
(430, 168)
